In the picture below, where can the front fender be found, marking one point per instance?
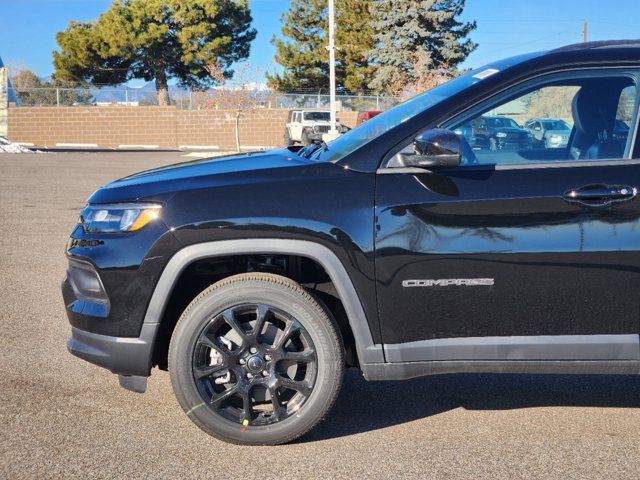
(368, 352)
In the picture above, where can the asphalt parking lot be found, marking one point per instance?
(62, 417)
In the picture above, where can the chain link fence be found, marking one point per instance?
(191, 100)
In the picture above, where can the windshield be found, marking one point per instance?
(556, 125)
(318, 116)
(500, 122)
(384, 122)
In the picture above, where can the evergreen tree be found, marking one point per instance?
(417, 35)
(303, 56)
(355, 39)
(303, 52)
(156, 40)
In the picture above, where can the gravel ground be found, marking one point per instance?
(62, 417)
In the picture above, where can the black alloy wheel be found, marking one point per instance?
(256, 359)
(254, 364)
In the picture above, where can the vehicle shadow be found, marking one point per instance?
(365, 406)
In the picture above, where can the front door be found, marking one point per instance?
(522, 252)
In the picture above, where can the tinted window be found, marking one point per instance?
(497, 122)
(581, 119)
(317, 116)
(556, 125)
(389, 119)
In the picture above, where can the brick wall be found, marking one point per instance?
(217, 128)
(164, 127)
(102, 126)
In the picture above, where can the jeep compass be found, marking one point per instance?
(398, 249)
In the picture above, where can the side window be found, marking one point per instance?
(624, 116)
(562, 119)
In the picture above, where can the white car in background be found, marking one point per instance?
(307, 126)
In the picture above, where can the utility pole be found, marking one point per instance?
(332, 68)
(584, 31)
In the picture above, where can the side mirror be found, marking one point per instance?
(434, 149)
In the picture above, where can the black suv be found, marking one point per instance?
(396, 249)
(496, 133)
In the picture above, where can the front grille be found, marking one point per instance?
(321, 129)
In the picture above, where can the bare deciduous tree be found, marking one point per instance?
(551, 102)
(240, 94)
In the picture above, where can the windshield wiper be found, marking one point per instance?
(311, 149)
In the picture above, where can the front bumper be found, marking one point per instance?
(87, 304)
(561, 143)
(122, 355)
(513, 144)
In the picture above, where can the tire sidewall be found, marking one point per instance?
(314, 321)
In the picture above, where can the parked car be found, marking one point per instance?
(396, 249)
(549, 132)
(307, 126)
(366, 116)
(495, 133)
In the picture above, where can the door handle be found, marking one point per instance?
(600, 195)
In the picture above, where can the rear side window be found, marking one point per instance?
(567, 117)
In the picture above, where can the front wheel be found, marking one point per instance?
(256, 360)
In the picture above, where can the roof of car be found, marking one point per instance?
(602, 44)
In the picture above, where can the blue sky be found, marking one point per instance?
(505, 27)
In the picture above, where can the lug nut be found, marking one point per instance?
(265, 373)
(267, 358)
(242, 361)
(249, 375)
(253, 350)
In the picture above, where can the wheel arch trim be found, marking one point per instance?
(367, 351)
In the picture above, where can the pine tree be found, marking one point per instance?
(303, 52)
(156, 40)
(414, 35)
(302, 57)
(355, 39)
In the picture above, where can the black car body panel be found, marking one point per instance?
(211, 200)
(558, 267)
(563, 273)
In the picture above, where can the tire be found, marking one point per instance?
(306, 141)
(297, 377)
(287, 138)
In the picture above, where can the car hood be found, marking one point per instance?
(557, 132)
(201, 173)
(509, 130)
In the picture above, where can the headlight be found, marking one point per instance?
(118, 217)
(501, 134)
